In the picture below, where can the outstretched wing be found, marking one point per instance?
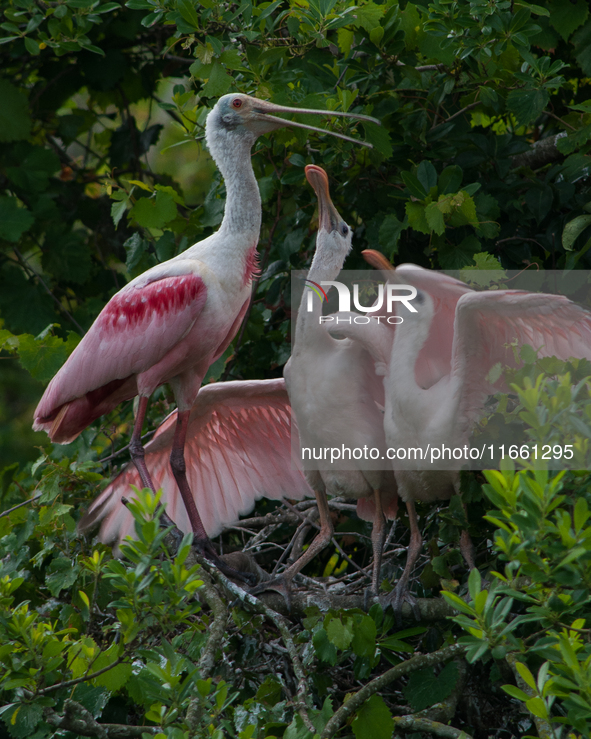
(487, 323)
(134, 331)
(238, 449)
(434, 361)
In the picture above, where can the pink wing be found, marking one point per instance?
(238, 450)
(487, 321)
(134, 331)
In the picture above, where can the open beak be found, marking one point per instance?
(264, 111)
(328, 217)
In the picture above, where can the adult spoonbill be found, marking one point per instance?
(170, 323)
(239, 449)
(436, 377)
(334, 397)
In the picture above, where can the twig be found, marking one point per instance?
(412, 723)
(83, 679)
(556, 118)
(25, 502)
(378, 683)
(460, 112)
(518, 238)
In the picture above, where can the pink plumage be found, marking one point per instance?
(238, 450)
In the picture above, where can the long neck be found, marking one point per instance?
(409, 339)
(231, 152)
(326, 265)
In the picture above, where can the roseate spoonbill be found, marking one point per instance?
(334, 396)
(238, 449)
(436, 379)
(170, 323)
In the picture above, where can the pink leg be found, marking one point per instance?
(136, 448)
(377, 540)
(200, 538)
(467, 549)
(400, 592)
(282, 583)
(179, 470)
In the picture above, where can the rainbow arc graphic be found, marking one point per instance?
(315, 287)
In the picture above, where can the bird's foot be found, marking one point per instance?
(279, 584)
(396, 598)
(204, 548)
(369, 596)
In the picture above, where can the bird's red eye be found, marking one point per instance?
(237, 103)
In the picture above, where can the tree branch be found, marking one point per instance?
(82, 723)
(303, 697)
(378, 683)
(541, 153)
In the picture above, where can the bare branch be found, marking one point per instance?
(541, 153)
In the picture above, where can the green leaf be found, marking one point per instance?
(487, 261)
(567, 17)
(118, 210)
(416, 217)
(526, 675)
(364, 637)
(515, 692)
(379, 138)
(368, 16)
(35, 166)
(373, 720)
(526, 105)
(115, 678)
(424, 688)
(450, 179)
(427, 175)
(14, 220)
(581, 40)
(345, 38)
(340, 632)
(61, 574)
(43, 356)
(415, 187)
(269, 691)
(573, 229)
(537, 706)
(154, 212)
(23, 720)
(15, 121)
(187, 10)
(135, 247)
(326, 651)
(219, 82)
(389, 233)
(434, 218)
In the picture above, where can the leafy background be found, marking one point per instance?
(481, 160)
